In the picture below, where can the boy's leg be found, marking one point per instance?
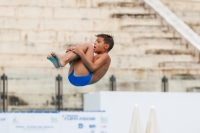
(65, 58)
(70, 56)
(79, 67)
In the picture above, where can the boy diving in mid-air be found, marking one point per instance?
(85, 68)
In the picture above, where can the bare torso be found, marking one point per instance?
(98, 74)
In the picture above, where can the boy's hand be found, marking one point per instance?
(70, 49)
(78, 50)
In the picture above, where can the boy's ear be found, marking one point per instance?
(107, 46)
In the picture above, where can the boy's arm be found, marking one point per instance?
(70, 48)
(93, 66)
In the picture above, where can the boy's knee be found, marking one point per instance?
(87, 45)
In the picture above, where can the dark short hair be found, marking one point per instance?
(108, 39)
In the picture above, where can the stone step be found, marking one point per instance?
(59, 3)
(134, 28)
(174, 85)
(193, 89)
(129, 38)
(179, 84)
(172, 42)
(66, 13)
(140, 22)
(24, 60)
(196, 29)
(184, 77)
(132, 16)
(182, 0)
(154, 73)
(29, 107)
(70, 25)
(69, 100)
(45, 48)
(34, 48)
(109, 4)
(139, 48)
(182, 5)
(42, 74)
(33, 86)
(179, 65)
(140, 86)
(154, 43)
(168, 52)
(191, 20)
(191, 14)
(32, 99)
(50, 3)
(117, 1)
(49, 37)
(35, 60)
(147, 61)
(32, 73)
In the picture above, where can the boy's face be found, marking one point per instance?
(99, 45)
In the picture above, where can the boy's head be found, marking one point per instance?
(108, 39)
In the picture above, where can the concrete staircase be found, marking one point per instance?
(145, 50)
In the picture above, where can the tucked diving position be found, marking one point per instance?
(88, 62)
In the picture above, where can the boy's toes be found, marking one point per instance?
(53, 53)
(49, 56)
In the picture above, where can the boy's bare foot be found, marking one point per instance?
(59, 59)
(53, 60)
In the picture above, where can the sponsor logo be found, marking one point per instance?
(14, 120)
(80, 125)
(104, 119)
(103, 132)
(92, 126)
(76, 117)
(70, 117)
(92, 131)
(54, 119)
(87, 118)
(103, 126)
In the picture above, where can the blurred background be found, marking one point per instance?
(150, 55)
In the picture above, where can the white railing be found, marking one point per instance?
(183, 29)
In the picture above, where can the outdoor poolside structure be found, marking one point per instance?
(155, 61)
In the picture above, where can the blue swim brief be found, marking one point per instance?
(79, 80)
